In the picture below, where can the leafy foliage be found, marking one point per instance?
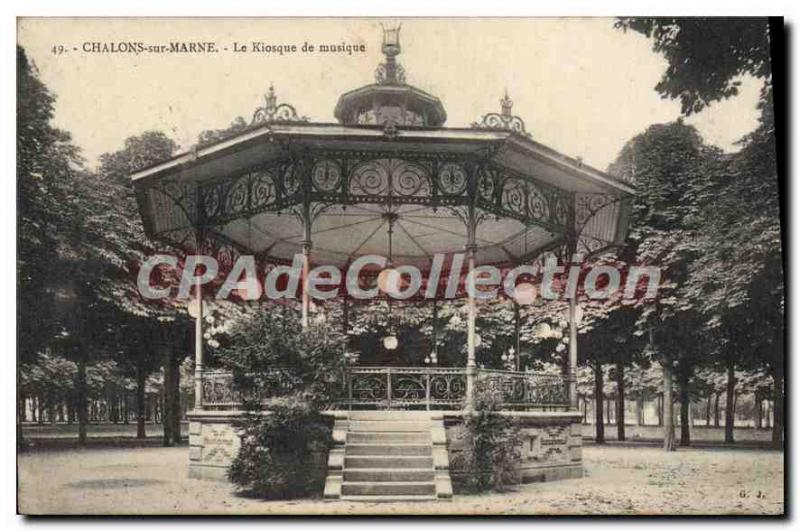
(271, 355)
(491, 447)
(283, 451)
(288, 375)
(706, 56)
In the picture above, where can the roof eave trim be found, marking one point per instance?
(580, 170)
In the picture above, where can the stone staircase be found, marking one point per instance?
(388, 456)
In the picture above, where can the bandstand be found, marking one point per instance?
(390, 179)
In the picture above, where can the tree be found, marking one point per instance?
(214, 135)
(151, 334)
(706, 56)
(670, 164)
(47, 163)
(743, 265)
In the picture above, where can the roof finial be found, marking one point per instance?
(272, 111)
(271, 99)
(506, 104)
(390, 72)
(504, 120)
(391, 42)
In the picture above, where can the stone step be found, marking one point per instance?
(389, 474)
(389, 499)
(388, 438)
(390, 415)
(388, 449)
(388, 488)
(394, 461)
(390, 425)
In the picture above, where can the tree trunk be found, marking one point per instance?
(729, 407)
(600, 437)
(176, 387)
(685, 430)
(683, 384)
(777, 408)
(140, 403)
(708, 410)
(620, 399)
(669, 415)
(757, 410)
(767, 425)
(40, 409)
(639, 410)
(585, 411)
(716, 410)
(171, 412)
(82, 402)
(167, 416)
(660, 409)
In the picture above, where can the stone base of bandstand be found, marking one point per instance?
(551, 447)
(213, 443)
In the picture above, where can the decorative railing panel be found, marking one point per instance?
(352, 177)
(525, 389)
(406, 387)
(219, 390)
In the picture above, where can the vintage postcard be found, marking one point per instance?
(400, 266)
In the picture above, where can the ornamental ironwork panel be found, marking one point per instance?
(390, 180)
(506, 193)
(525, 389)
(400, 387)
(262, 189)
(219, 390)
(405, 387)
(352, 177)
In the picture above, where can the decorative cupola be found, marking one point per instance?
(390, 101)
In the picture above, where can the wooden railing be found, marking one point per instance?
(415, 387)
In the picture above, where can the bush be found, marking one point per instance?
(491, 447)
(287, 375)
(283, 451)
(272, 356)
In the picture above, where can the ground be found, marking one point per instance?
(618, 481)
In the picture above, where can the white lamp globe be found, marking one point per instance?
(542, 331)
(524, 293)
(193, 308)
(389, 281)
(390, 342)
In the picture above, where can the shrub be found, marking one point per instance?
(272, 356)
(287, 375)
(283, 451)
(491, 447)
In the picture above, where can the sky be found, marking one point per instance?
(581, 86)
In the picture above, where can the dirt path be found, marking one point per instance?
(618, 480)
